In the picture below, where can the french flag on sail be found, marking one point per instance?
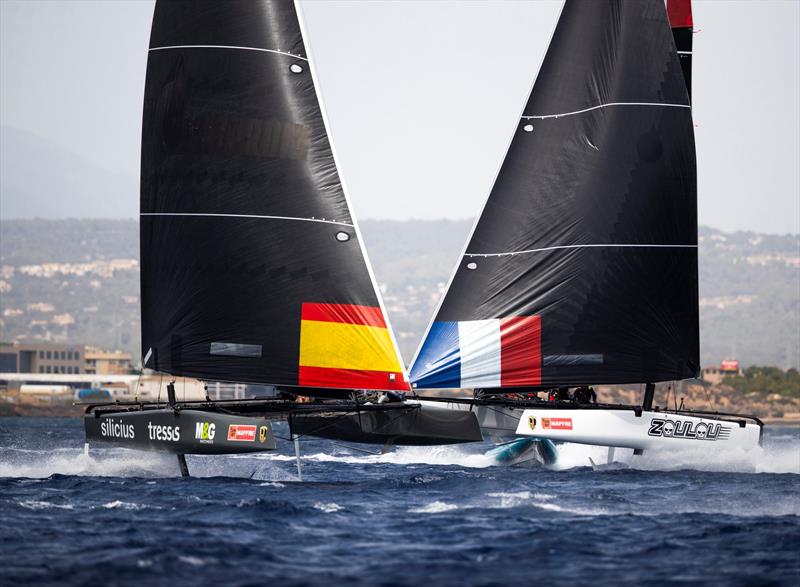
(504, 352)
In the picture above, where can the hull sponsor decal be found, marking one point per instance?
(676, 428)
(111, 428)
(163, 433)
(204, 432)
(263, 432)
(557, 423)
(242, 432)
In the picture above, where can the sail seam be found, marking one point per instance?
(228, 47)
(543, 116)
(576, 247)
(245, 216)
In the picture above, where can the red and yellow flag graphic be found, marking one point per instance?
(347, 346)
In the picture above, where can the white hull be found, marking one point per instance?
(623, 428)
(613, 427)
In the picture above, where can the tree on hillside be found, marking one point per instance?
(766, 380)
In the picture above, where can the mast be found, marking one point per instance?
(252, 264)
(582, 267)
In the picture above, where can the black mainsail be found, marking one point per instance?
(582, 266)
(252, 265)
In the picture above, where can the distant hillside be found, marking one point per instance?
(749, 284)
(40, 179)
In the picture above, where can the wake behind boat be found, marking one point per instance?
(252, 265)
(582, 267)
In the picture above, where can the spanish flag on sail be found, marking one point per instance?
(347, 346)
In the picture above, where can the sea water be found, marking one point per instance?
(413, 516)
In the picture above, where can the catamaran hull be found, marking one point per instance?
(414, 425)
(243, 426)
(639, 429)
(180, 431)
(494, 421)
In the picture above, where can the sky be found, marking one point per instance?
(423, 97)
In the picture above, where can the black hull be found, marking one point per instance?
(206, 427)
(411, 426)
(181, 431)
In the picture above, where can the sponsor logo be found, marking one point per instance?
(204, 432)
(532, 422)
(165, 433)
(242, 432)
(262, 434)
(557, 423)
(111, 428)
(687, 429)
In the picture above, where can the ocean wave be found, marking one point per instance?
(504, 499)
(401, 455)
(328, 508)
(32, 504)
(74, 462)
(554, 507)
(777, 458)
(435, 507)
(126, 505)
(192, 560)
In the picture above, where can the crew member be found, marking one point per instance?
(585, 395)
(560, 395)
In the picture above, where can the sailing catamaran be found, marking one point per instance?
(582, 267)
(252, 265)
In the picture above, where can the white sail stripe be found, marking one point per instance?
(543, 116)
(244, 216)
(684, 52)
(480, 350)
(575, 247)
(228, 47)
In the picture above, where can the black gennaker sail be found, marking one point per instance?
(252, 265)
(253, 269)
(582, 267)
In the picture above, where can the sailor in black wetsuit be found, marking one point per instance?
(560, 395)
(585, 395)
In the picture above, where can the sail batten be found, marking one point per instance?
(589, 109)
(556, 247)
(244, 218)
(220, 215)
(228, 47)
(590, 227)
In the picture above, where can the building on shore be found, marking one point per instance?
(85, 388)
(101, 362)
(715, 375)
(41, 358)
(62, 359)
